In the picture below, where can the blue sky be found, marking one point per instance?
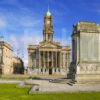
(21, 21)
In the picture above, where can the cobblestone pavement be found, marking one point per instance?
(46, 86)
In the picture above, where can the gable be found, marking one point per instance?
(49, 45)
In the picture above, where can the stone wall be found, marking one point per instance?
(90, 47)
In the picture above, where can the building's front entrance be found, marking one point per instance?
(0, 71)
(50, 69)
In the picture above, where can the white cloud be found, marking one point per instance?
(26, 28)
(31, 37)
(20, 43)
(25, 22)
(25, 40)
(13, 40)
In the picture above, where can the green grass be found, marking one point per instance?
(23, 77)
(15, 77)
(11, 92)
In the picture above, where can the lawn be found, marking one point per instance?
(11, 92)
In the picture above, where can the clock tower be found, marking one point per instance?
(48, 27)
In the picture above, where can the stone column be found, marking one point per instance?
(48, 59)
(60, 60)
(56, 59)
(43, 62)
(68, 61)
(39, 59)
(78, 50)
(44, 59)
(30, 60)
(68, 57)
(52, 60)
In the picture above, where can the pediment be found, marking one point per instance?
(49, 45)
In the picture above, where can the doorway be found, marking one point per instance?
(0, 71)
(50, 69)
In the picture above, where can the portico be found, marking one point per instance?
(49, 61)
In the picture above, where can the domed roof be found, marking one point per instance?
(48, 13)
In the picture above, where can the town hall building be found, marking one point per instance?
(49, 57)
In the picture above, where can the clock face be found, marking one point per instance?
(48, 22)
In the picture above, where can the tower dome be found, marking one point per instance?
(48, 13)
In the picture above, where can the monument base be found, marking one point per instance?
(87, 79)
(85, 73)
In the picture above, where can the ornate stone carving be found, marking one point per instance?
(89, 67)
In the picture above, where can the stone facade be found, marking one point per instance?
(85, 66)
(49, 57)
(6, 58)
(8, 64)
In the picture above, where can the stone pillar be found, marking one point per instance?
(60, 60)
(48, 59)
(52, 59)
(30, 60)
(78, 50)
(44, 59)
(39, 59)
(68, 60)
(56, 59)
(44, 67)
